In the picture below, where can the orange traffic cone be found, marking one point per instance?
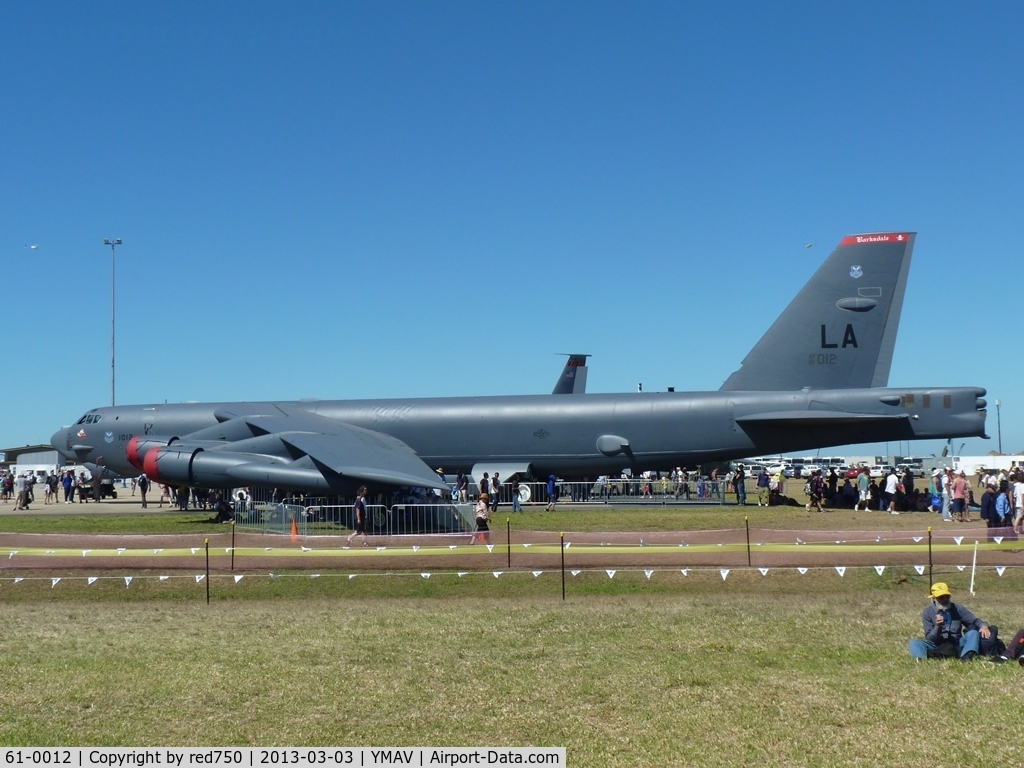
(295, 532)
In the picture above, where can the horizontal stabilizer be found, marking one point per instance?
(802, 418)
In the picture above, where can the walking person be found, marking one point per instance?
(552, 491)
(495, 492)
(517, 505)
(359, 514)
(483, 517)
(143, 485)
(763, 491)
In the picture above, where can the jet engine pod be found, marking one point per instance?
(170, 464)
(139, 446)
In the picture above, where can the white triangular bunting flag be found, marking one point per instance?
(462, 573)
(452, 546)
(685, 571)
(194, 550)
(764, 571)
(490, 547)
(497, 573)
(268, 549)
(919, 569)
(49, 551)
(425, 575)
(228, 550)
(879, 569)
(200, 577)
(960, 567)
(239, 577)
(648, 574)
(683, 544)
(164, 578)
(12, 554)
(86, 552)
(998, 539)
(537, 573)
(157, 551)
(958, 539)
(918, 538)
(305, 549)
(352, 576)
(1000, 569)
(120, 550)
(415, 548)
(381, 549)
(611, 574)
(527, 546)
(314, 575)
(273, 575)
(20, 578)
(568, 544)
(575, 573)
(91, 579)
(802, 571)
(840, 569)
(127, 580)
(54, 582)
(724, 572)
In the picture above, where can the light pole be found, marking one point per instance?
(113, 245)
(999, 426)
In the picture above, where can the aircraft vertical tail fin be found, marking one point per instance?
(840, 330)
(573, 380)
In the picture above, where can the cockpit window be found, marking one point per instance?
(90, 418)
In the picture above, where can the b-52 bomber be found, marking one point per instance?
(817, 378)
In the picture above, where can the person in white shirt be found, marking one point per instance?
(890, 491)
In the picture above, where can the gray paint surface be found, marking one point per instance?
(809, 383)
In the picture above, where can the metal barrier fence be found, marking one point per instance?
(325, 519)
(622, 491)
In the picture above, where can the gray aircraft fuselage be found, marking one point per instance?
(582, 436)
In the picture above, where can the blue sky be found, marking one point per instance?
(397, 199)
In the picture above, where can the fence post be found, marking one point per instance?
(562, 539)
(929, 558)
(508, 539)
(207, 571)
(746, 521)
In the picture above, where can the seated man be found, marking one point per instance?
(949, 629)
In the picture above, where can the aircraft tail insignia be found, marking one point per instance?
(573, 380)
(840, 330)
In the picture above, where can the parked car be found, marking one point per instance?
(880, 471)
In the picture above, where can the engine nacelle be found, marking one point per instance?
(139, 446)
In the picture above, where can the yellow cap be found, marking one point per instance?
(939, 589)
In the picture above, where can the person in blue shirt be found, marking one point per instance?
(949, 629)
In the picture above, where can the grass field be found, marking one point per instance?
(781, 669)
(565, 518)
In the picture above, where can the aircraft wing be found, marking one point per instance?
(372, 457)
(294, 448)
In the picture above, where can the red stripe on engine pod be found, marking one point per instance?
(878, 237)
(132, 451)
(149, 465)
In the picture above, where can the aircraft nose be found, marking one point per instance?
(60, 442)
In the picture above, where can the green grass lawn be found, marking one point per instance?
(784, 669)
(777, 670)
